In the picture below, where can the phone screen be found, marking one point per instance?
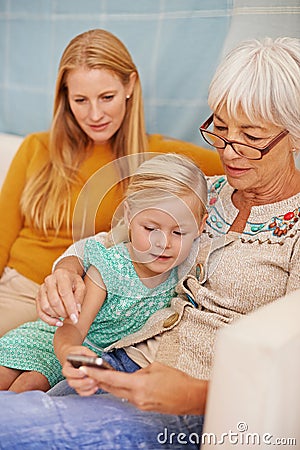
(92, 361)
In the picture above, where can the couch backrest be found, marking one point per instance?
(9, 144)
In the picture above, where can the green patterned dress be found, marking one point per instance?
(128, 305)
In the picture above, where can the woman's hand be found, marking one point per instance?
(76, 378)
(62, 293)
(156, 388)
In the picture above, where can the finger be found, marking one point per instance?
(78, 290)
(53, 301)
(70, 372)
(118, 383)
(87, 393)
(42, 305)
(84, 384)
(71, 289)
(129, 386)
(53, 321)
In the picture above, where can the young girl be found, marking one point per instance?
(163, 213)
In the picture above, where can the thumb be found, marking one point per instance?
(78, 291)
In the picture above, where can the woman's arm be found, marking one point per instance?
(62, 292)
(156, 388)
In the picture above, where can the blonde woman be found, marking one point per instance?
(98, 117)
(163, 215)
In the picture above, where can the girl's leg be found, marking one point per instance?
(7, 377)
(33, 420)
(30, 381)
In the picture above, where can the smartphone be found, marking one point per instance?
(91, 361)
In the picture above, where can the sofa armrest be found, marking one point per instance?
(255, 386)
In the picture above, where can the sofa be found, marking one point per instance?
(254, 395)
(9, 143)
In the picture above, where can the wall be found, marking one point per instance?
(176, 45)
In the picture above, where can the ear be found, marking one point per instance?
(131, 83)
(202, 224)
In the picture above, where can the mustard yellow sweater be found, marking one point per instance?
(31, 253)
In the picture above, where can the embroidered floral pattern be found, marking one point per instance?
(216, 220)
(278, 226)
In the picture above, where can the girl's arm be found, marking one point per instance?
(71, 334)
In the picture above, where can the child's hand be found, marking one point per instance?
(82, 384)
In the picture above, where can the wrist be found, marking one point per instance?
(71, 264)
(63, 352)
(197, 395)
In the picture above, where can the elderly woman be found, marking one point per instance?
(252, 242)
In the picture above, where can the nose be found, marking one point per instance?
(232, 135)
(95, 111)
(229, 150)
(160, 239)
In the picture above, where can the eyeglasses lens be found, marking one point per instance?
(243, 150)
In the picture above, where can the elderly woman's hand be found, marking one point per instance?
(156, 388)
(62, 293)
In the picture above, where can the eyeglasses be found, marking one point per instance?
(247, 151)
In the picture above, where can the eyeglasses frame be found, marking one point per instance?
(263, 151)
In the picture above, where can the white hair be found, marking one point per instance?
(263, 78)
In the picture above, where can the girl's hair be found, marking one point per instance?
(263, 78)
(46, 201)
(161, 178)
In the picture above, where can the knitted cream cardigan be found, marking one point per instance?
(242, 272)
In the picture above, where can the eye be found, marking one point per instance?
(149, 228)
(79, 100)
(179, 233)
(108, 97)
(220, 128)
(252, 138)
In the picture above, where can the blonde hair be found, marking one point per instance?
(46, 200)
(263, 78)
(158, 179)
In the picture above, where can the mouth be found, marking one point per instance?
(161, 257)
(99, 127)
(235, 171)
